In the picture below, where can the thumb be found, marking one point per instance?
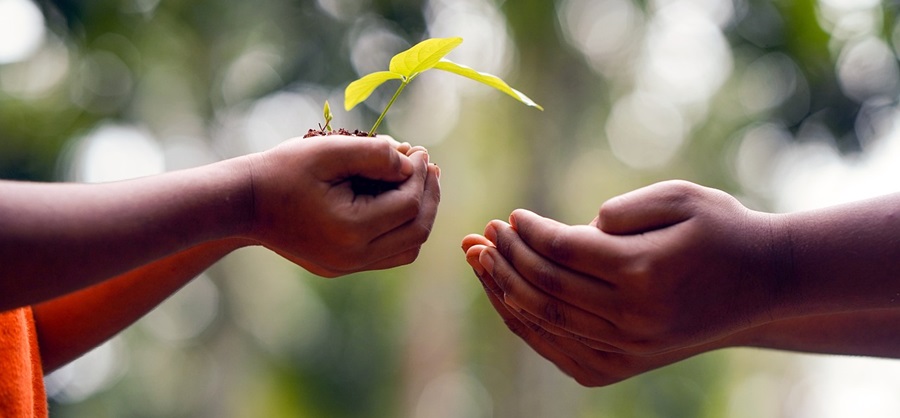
(649, 208)
(374, 158)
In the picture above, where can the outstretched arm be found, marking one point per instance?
(675, 269)
(869, 332)
(60, 237)
(676, 264)
(295, 199)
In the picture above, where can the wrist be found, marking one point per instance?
(233, 201)
(840, 258)
(780, 273)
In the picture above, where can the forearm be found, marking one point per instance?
(865, 333)
(58, 238)
(73, 324)
(841, 258)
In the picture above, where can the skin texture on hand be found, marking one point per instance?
(688, 266)
(328, 229)
(574, 355)
(56, 238)
(93, 258)
(675, 269)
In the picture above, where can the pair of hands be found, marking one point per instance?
(603, 301)
(663, 273)
(305, 210)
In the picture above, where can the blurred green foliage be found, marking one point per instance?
(418, 340)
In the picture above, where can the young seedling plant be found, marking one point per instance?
(405, 67)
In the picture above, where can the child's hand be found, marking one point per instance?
(306, 211)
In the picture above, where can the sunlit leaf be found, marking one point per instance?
(360, 90)
(422, 56)
(485, 78)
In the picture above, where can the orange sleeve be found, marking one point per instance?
(21, 375)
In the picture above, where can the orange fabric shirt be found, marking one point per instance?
(21, 376)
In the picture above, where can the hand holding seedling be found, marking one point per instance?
(306, 210)
(90, 259)
(405, 66)
(675, 269)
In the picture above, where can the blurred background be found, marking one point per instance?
(788, 105)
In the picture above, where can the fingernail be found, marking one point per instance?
(437, 171)
(491, 233)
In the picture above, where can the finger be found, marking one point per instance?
(581, 290)
(416, 231)
(474, 239)
(404, 148)
(570, 355)
(649, 208)
(394, 143)
(534, 336)
(562, 333)
(395, 260)
(473, 252)
(415, 149)
(519, 293)
(596, 365)
(473, 257)
(417, 196)
(309, 266)
(581, 248)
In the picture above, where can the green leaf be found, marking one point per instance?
(485, 78)
(360, 90)
(422, 56)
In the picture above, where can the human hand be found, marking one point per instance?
(587, 365)
(664, 268)
(306, 210)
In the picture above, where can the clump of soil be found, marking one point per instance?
(360, 185)
(341, 131)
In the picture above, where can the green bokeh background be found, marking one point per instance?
(420, 340)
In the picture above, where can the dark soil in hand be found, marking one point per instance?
(341, 131)
(360, 185)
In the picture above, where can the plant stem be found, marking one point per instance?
(384, 112)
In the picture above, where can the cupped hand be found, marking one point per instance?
(587, 364)
(668, 267)
(306, 211)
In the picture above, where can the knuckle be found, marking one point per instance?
(411, 207)
(555, 314)
(547, 278)
(421, 232)
(504, 246)
(559, 247)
